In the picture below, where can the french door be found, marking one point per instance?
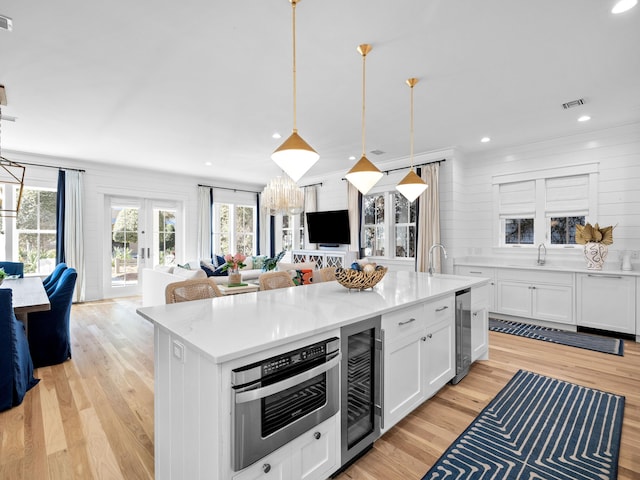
(142, 234)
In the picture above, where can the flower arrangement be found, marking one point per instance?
(587, 234)
(234, 262)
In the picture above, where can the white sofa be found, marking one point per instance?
(155, 280)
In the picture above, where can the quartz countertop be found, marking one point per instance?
(231, 327)
(554, 265)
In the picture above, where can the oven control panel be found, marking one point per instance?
(285, 361)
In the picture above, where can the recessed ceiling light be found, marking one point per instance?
(352, 157)
(276, 135)
(485, 139)
(584, 118)
(208, 164)
(624, 5)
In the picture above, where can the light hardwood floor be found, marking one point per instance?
(92, 417)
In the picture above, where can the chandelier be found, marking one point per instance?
(282, 196)
(10, 172)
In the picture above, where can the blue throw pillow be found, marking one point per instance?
(218, 272)
(208, 268)
(217, 260)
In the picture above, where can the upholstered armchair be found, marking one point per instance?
(49, 336)
(13, 268)
(16, 367)
(50, 282)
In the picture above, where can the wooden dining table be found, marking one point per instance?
(29, 295)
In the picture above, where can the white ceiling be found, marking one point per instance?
(171, 85)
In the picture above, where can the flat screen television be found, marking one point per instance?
(330, 228)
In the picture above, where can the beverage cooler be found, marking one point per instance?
(361, 388)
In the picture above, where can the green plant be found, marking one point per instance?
(3, 274)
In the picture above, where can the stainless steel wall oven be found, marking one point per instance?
(280, 398)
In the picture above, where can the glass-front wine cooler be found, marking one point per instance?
(361, 390)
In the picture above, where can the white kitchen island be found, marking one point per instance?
(198, 343)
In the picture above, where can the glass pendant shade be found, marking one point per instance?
(295, 156)
(364, 175)
(282, 196)
(411, 186)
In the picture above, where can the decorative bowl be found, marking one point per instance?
(358, 279)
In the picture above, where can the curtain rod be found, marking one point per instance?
(51, 166)
(311, 185)
(419, 165)
(228, 188)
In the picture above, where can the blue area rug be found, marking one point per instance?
(539, 428)
(614, 346)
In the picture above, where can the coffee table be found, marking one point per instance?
(227, 290)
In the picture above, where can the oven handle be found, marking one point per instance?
(251, 395)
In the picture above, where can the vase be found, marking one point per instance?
(234, 276)
(595, 253)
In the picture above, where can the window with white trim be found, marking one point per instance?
(545, 206)
(234, 228)
(386, 212)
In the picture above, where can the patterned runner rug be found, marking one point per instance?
(614, 346)
(538, 428)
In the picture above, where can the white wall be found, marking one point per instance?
(100, 181)
(616, 150)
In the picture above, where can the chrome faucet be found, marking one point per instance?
(430, 270)
(544, 257)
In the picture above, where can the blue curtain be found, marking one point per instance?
(272, 246)
(211, 223)
(60, 254)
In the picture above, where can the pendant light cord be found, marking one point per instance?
(293, 5)
(411, 128)
(364, 49)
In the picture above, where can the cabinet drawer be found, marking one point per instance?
(470, 271)
(440, 310)
(402, 322)
(536, 276)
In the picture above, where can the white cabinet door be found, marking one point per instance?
(479, 334)
(514, 298)
(403, 372)
(315, 453)
(607, 302)
(440, 356)
(553, 303)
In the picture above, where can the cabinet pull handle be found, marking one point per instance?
(429, 335)
(475, 314)
(317, 435)
(604, 276)
(441, 309)
(471, 271)
(266, 468)
(492, 283)
(424, 339)
(408, 321)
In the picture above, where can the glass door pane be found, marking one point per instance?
(164, 237)
(124, 245)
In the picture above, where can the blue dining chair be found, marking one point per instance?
(16, 367)
(49, 335)
(13, 268)
(51, 281)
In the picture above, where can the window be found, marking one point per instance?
(405, 226)
(389, 212)
(545, 206)
(165, 229)
(287, 232)
(373, 228)
(234, 228)
(36, 230)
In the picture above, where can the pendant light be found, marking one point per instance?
(295, 156)
(412, 185)
(364, 174)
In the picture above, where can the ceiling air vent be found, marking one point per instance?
(573, 103)
(6, 23)
(377, 152)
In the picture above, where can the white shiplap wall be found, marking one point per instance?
(616, 150)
